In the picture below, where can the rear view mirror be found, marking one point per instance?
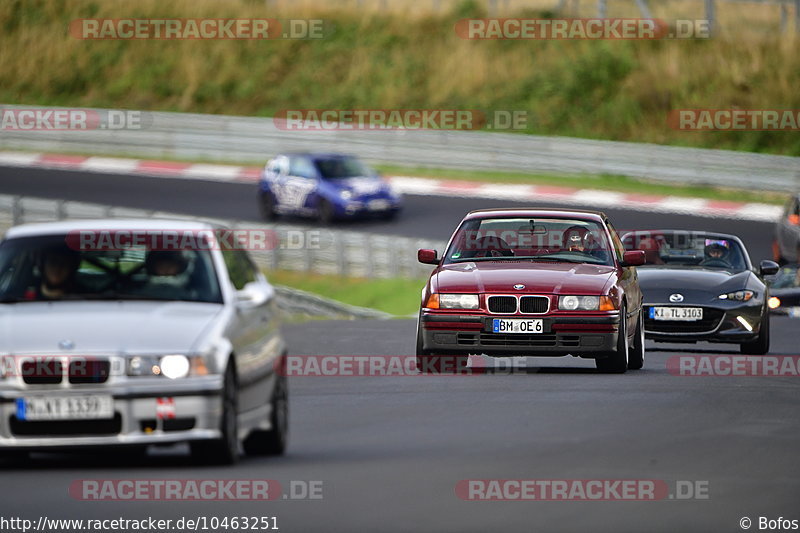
(428, 257)
(768, 268)
(633, 258)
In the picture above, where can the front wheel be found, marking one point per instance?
(760, 346)
(616, 362)
(325, 212)
(636, 356)
(225, 450)
(266, 206)
(430, 363)
(272, 441)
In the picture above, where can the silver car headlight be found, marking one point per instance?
(739, 296)
(586, 303)
(173, 366)
(579, 303)
(458, 301)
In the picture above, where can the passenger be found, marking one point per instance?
(58, 267)
(165, 263)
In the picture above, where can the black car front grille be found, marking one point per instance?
(42, 371)
(711, 319)
(65, 427)
(89, 371)
(501, 340)
(534, 304)
(502, 304)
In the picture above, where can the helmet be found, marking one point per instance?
(575, 236)
(717, 249)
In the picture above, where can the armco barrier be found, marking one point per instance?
(346, 253)
(247, 139)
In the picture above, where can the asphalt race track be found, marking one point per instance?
(389, 451)
(432, 217)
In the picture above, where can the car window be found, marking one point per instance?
(786, 278)
(515, 238)
(342, 168)
(240, 268)
(685, 249)
(301, 167)
(49, 268)
(619, 249)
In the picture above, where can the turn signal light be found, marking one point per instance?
(433, 301)
(607, 304)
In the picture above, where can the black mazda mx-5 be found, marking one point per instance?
(701, 286)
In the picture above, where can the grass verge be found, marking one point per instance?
(395, 296)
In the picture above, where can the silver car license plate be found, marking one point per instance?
(83, 407)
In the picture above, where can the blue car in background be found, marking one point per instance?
(325, 186)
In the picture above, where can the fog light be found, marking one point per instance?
(744, 323)
(774, 302)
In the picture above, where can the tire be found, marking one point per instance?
(325, 212)
(429, 363)
(266, 206)
(616, 362)
(636, 354)
(225, 450)
(760, 346)
(272, 441)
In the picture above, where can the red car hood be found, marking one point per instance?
(538, 278)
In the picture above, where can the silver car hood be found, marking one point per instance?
(118, 327)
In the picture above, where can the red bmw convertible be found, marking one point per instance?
(532, 282)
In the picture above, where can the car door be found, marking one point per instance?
(255, 333)
(628, 279)
(300, 186)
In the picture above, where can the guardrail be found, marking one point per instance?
(323, 251)
(247, 139)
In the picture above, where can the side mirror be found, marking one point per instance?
(254, 294)
(428, 257)
(633, 258)
(768, 268)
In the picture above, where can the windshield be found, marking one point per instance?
(684, 249)
(547, 239)
(342, 168)
(47, 269)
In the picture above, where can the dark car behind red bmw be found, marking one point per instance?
(538, 282)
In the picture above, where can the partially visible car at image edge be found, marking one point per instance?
(133, 347)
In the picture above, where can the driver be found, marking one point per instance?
(165, 263)
(575, 238)
(58, 266)
(717, 252)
